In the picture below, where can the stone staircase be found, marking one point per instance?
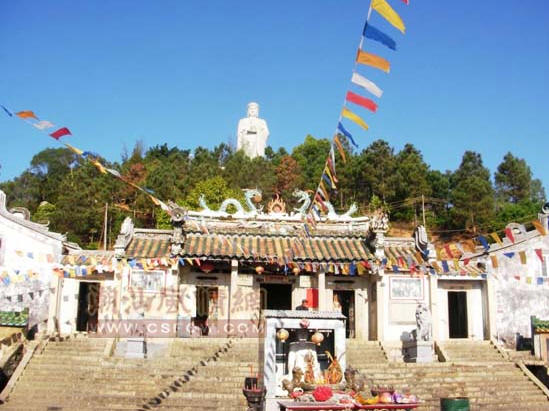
(475, 370)
(187, 374)
(473, 351)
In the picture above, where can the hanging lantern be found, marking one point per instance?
(259, 269)
(296, 270)
(317, 338)
(282, 335)
(207, 267)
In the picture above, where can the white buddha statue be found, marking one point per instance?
(252, 133)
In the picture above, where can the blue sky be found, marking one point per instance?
(469, 75)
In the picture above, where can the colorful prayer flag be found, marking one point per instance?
(366, 84)
(377, 35)
(509, 234)
(539, 253)
(494, 261)
(353, 117)
(522, 257)
(361, 101)
(9, 113)
(372, 60)
(340, 148)
(539, 227)
(496, 238)
(385, 10)
(484, 242)
(64, 131)
(44, 124)
(509, 255)
(407, 2)
(26, 114)
(346, 134)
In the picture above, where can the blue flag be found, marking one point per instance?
(484, 242)
(377, 35)
(346, 134)
(7, 111)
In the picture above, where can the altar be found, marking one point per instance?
(300, 341)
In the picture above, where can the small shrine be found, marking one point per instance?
(302, 349)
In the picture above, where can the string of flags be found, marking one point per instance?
(328, 180)
(46, 126)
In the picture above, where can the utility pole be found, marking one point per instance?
(105, 227)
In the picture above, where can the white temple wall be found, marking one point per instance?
(518, 299)
(26, 257)
(68, 305)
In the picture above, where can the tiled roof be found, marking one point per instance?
(313, 249)
(88, 257)
(147, 247)
(14, 318)
(540, 326)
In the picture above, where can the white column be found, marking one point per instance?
(433, 305)
(321, 291)
(491, 308)
(232, 287)
(381, 302)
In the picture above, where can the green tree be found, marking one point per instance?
(311, 158)
(513, 180)
(472, 193)
(215, 190)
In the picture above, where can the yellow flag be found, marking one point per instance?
(370, 59)
(353, 117)
(74, 149)
(340, 148)
(522, 255)
(539, 227)
(494, 261)
(383, 8)
(496, 238)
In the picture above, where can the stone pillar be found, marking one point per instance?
(381, 301)
(322, 291)
(433, 305)
(491, 308)
(232, 288)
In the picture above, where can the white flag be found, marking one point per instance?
(367, 84)
(42, 125)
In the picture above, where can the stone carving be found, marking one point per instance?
(124, 238)
(177, 213)
(380, 221)
(303, 198)
(423, 323)
(332, 215)
(276, 205)
(252, 133)
(252, 196)
(545, 208)
(420, 236)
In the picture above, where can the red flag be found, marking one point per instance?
(448, 251)
(509, 235)
(60, 133)
(361, 101)
(407, 2)
(539, 254)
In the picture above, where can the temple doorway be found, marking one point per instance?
(276, 296)
(457, 314)
(88, 306)
(207, 308)
(346, 300)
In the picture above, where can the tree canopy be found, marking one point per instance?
(72, 195)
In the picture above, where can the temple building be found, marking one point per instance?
(215, 271)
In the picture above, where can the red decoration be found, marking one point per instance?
(509, 235)
(207, 267)
(361, 101)
(323, 393)
(60, 133)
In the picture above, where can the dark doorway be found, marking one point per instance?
(346, 299)
(206, 308)
(88, 306)
(276, 296)
(457, 314)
